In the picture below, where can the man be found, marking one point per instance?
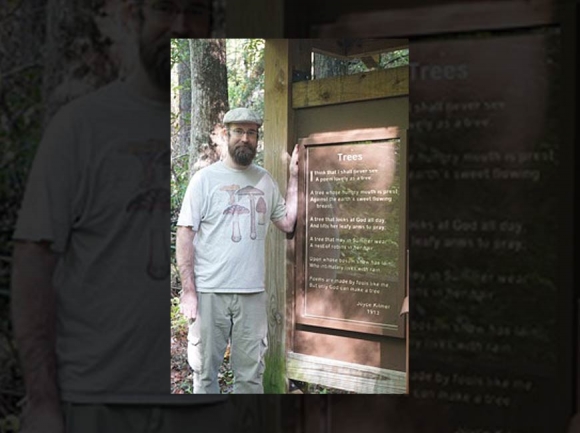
(91, 260)
(220, 253)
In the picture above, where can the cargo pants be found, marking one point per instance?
(240, 318)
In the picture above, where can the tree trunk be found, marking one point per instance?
(209, 100)
(181, 104)
(325, 66)
(78, 54)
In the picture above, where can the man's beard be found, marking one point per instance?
(242, 154)
(156, 61)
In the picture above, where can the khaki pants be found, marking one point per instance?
(109, 418)
(241, 317)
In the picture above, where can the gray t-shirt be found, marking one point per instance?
(99, 190)
(230, 210)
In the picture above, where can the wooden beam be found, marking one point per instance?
(362, 134)
(329, 47)
(383, 83)
(346, 49)
(359, 47)
(449, 18)
(279, 137)
(345, 375)
(371, 62)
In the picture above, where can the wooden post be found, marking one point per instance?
(278, 142)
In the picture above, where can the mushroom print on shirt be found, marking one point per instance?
(251, 193)
(153, 197)
(261, 209)
(235, 210)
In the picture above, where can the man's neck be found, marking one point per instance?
(141, 84)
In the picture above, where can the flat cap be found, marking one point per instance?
(242, 115)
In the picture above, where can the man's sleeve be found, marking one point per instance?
(191, 213)
(278, 204)
(47, 210)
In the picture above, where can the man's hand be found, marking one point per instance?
(188, 304)
(287, 223)
(294, 161)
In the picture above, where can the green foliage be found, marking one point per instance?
(245, 69)
(392, 59)
(186, 386)
(179, 55)
(179, 51)
(10, 423)
(179, 181)
(21, 117)
(245, 63)
(227, 379)
(179, 324)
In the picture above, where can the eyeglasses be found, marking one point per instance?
(239, 133)
(170, 10)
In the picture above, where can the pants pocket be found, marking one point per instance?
(263, 349)
(194, 347)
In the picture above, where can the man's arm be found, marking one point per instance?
(287, 223)
(34, 319)
(185, 255)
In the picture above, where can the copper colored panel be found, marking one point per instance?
(382, 352)
(353, 274)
